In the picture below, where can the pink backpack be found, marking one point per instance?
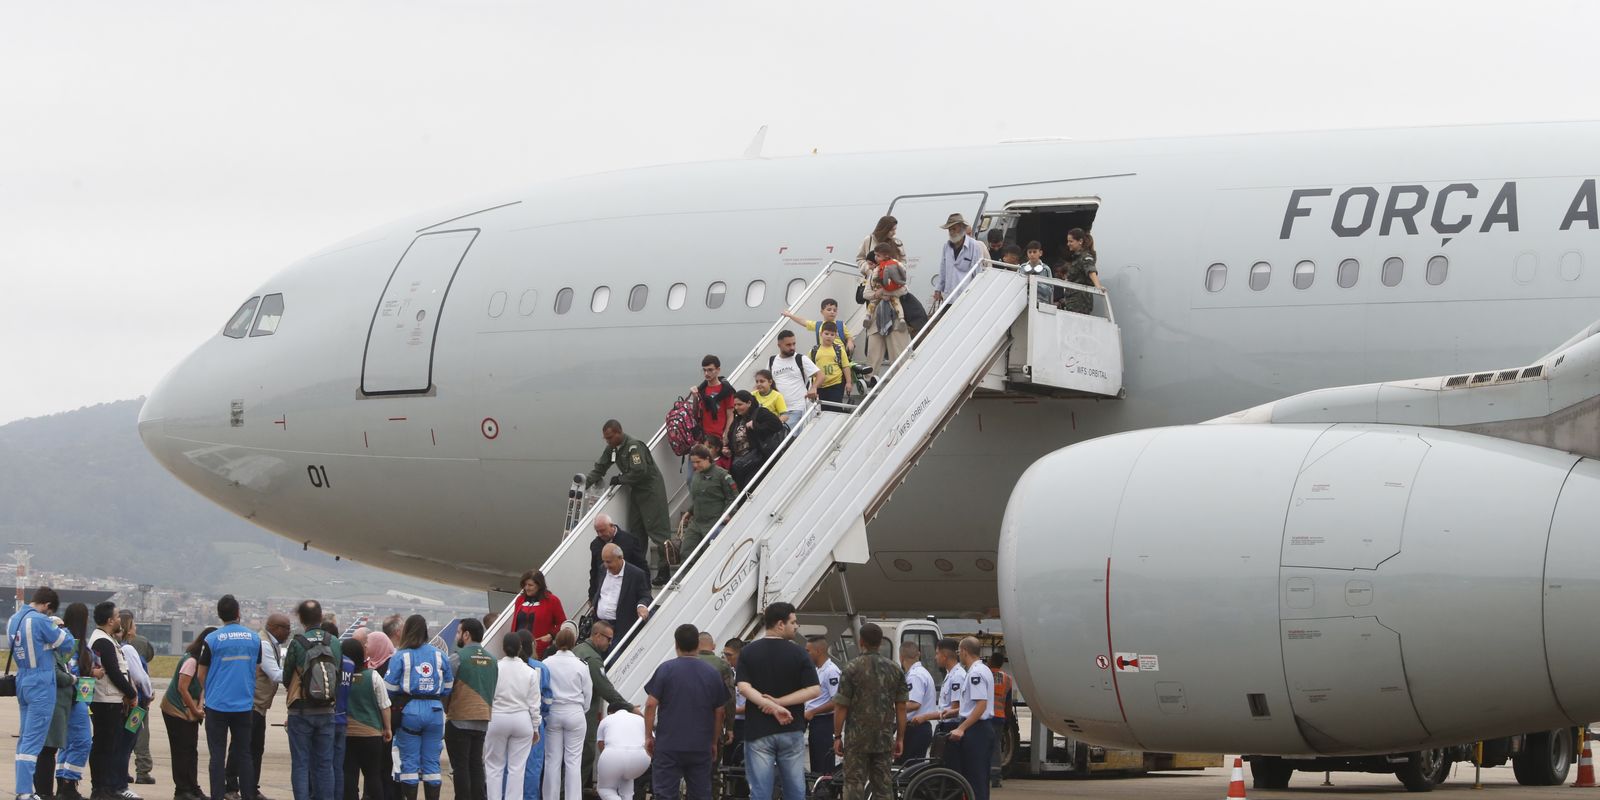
(683, 424)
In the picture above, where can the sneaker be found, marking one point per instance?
(128, 794)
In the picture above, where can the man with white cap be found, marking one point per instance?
(957, 258)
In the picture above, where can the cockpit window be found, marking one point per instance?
(271, 313)
(239, 325)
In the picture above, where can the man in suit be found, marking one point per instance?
(623, 596)
(606, 532)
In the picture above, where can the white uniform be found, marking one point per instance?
(828, 679)
(979, 685)
(512, 724)
(571, 689)
(623, 758)
(919, 689)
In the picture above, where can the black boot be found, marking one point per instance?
(430, 791)
(408, 791)
(67, 790)
(662, 576)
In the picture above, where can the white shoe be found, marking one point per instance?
(127, 794)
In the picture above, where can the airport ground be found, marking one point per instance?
(1210, 784)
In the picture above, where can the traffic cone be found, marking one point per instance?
(1236, 786)
(1586, 765)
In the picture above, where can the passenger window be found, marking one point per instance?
(271, 313)
(564, 301)
(530, 299)
(676, 295)
(755, 293)
(1216, 277)
(715, 294)
(1349, 271)
(1305, 273)
(239, 324)
(796, 288)
(637, 296)
(600, 299)
(1260, 275)
(1394, 268)
(1438, 270)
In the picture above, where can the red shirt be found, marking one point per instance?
(541, 617)
(716, 408)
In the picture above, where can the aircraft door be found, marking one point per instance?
(920, 216)
(399, 353)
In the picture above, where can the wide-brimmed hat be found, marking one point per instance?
(954, 220)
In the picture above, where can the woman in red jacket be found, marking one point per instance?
(538, 611)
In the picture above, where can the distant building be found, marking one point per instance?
(88, 597)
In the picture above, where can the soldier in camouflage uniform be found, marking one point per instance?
(647, 507)
(869, 723)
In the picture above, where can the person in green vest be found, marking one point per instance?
(708, 653)
(467, 710)
(711, 491)
(182, 714)
(647, 509)
(592, 651)
(367, 726)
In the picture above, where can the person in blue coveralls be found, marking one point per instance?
(533, 774)
(34, 639)
(419, 679)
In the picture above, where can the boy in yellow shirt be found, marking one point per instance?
(834, 366)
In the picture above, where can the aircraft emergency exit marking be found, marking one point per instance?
(1447, 211)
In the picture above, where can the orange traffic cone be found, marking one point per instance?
(1236, 786)
(1586, 765)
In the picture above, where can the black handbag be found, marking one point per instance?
(8, 681)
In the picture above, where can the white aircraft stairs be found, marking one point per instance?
(809, 506)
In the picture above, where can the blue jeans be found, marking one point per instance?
(781, 756)
(311, 756)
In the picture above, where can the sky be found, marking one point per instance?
(158, 160)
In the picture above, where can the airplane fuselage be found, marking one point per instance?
(464, 480)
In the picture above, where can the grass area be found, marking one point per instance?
(161, 667)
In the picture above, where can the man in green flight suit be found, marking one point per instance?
(591, 651)
(647, 509)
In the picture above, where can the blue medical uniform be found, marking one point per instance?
(419, 677)
(74, 757)
(34, 638)
(533, 774)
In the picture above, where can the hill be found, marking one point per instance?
(80, 488)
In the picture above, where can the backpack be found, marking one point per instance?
(319, 672)
(683, 424)
(838, 355)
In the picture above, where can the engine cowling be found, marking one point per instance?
(1302, 589)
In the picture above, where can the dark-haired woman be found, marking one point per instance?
(182, 712)
(754, 435)
(1079, 268)
(538, 611)
(419, 679)
(72, 754)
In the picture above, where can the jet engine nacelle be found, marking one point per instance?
(1300, 589)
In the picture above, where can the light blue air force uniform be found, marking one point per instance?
(420, 677)
(34, 639)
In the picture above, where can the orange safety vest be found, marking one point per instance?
(1002, 694)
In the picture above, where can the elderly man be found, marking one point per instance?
(623, 596)
(606, 532)
(958, 257)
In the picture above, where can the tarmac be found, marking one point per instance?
(1209, 784)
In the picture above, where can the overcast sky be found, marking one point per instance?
(160, 160)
